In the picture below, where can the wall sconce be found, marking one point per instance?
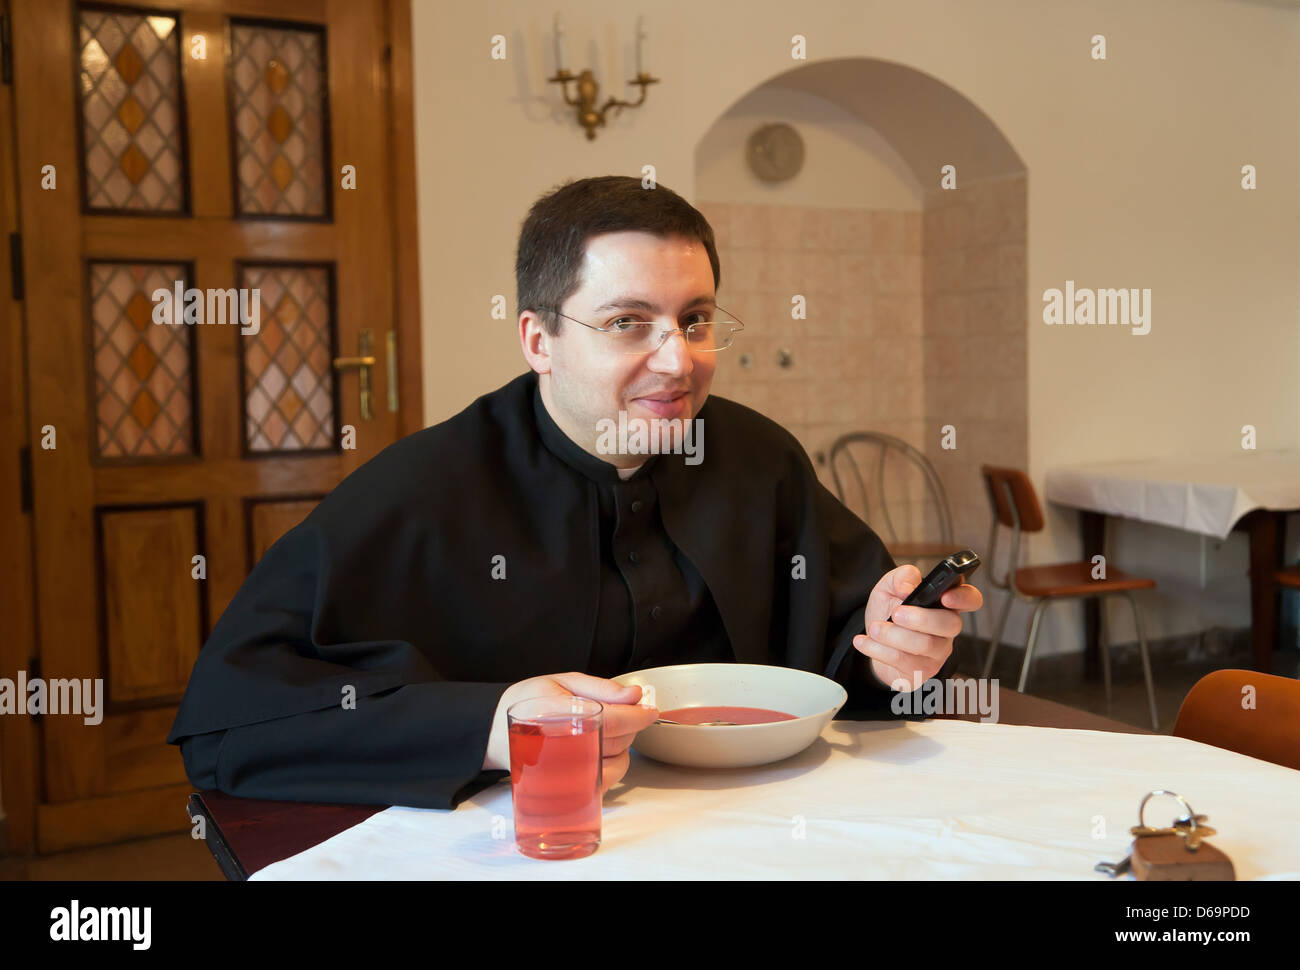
(585, 103)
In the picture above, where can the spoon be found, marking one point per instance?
(664, 720)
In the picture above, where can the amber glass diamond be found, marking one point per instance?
(131, 115)
(128, 64)
(279, 124)
(144, 409)
(142, 361)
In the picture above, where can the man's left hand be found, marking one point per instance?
(910, 650)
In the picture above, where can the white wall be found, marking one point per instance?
(847, 164)
(1133, 169)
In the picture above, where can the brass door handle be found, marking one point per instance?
(362, 362)
(392, 370)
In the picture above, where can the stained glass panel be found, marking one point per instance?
(278, 105)
(132, 136)
(288, 372)
(142, 370)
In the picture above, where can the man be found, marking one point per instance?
(371, 655)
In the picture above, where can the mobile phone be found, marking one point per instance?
(951, 571)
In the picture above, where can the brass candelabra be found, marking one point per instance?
(585, 103)
(588, 116)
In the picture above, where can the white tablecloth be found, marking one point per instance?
(1206, 496)
(933, 799)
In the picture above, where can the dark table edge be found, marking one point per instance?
(241, 850)
(216, 841)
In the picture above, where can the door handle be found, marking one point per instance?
(392, 371)
(362, 364)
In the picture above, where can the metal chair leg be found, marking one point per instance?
(969, 641)
(1029, 645)
(1146, 661)
(1104, 643)
(975, 636)
(997, 634)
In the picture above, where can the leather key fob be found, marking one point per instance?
(1166, 858)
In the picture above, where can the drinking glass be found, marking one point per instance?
(555, 775)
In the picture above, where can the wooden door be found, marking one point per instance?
(249, 157)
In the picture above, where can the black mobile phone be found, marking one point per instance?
(951, 571)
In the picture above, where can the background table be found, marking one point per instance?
(1251, 491)
(245, 835)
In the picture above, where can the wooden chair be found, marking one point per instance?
(1212, 713)
(1014, 504)
(844, 452)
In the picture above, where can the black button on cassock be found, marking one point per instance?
(637, 505)
(633, 557)
(656, 612)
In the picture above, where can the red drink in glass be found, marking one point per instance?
(555, 775)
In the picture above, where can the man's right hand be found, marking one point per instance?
(623, 718)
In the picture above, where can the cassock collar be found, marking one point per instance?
(564, 448)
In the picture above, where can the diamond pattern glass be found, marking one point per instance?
(288, 372)
(279, 111)
(142, 370)
(134, 151)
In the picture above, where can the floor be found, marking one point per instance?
(169, 857)
(180, 857)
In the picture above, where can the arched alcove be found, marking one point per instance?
(914, 296)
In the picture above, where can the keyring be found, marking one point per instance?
(1181, 801)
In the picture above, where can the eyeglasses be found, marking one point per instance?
(633, 336)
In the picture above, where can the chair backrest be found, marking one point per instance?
(1213, 713)
(1014, 504)
(997, 482)
(878, 448)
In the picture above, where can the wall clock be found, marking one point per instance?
(775, 152)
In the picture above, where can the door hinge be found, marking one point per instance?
(6, 51)
(16, 265)
(25, 477)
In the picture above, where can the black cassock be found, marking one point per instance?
(489, 549)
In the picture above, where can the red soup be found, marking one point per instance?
(737, 715)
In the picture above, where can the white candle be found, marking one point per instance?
(640, 38)
(559, 43)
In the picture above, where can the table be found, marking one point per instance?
(1250, 491)
(246, 835)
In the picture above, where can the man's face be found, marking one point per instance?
(584, 378)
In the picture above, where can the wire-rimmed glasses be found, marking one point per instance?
(631, 335)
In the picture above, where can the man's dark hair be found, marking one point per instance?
(553, 240)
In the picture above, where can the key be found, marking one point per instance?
(1114, 869)
(1183, 826)
(1175, 852)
